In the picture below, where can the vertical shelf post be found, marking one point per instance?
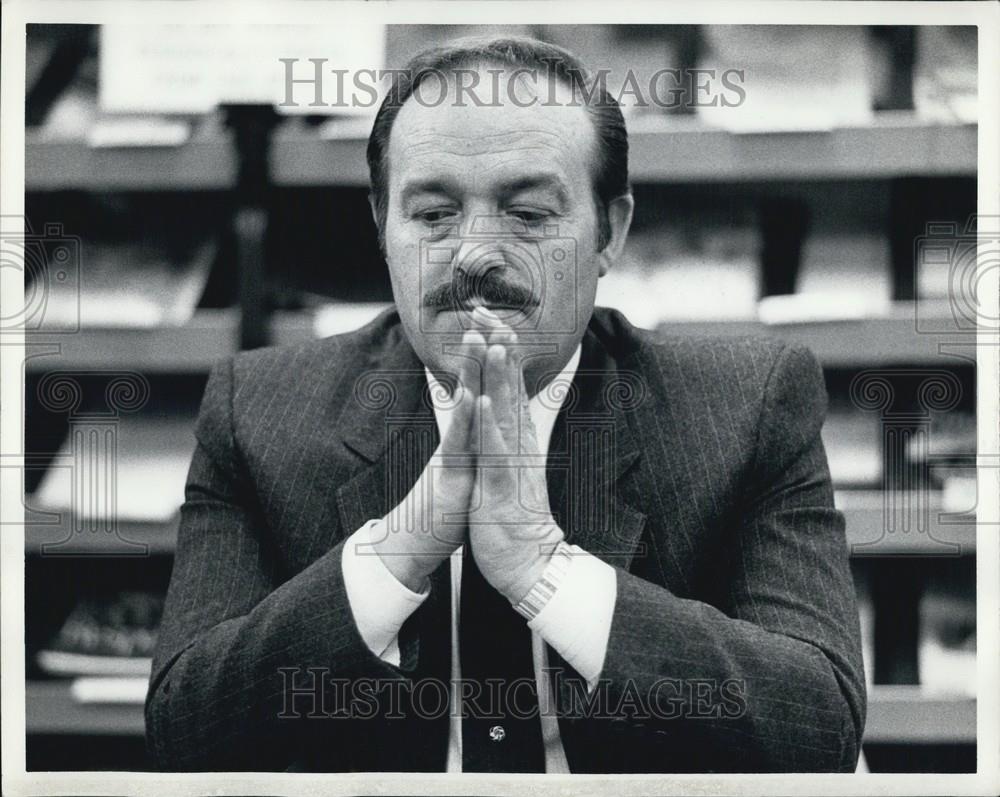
(252, 126)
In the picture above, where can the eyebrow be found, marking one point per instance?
(545, 182)
(431, 186)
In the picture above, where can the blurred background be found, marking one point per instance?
(171, 222)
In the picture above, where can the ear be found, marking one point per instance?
(379, 232)
(373, 207)
(619, 220)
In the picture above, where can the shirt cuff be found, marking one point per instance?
(577, 619)
(379, 603)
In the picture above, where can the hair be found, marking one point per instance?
(610, 171)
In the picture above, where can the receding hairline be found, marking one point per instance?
(484, 65)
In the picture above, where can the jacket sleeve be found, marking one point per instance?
(775, 682)
(236, 642)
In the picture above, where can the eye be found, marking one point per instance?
(435, 215)
(529, 215)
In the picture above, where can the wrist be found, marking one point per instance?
(409, 559)
(531, 572)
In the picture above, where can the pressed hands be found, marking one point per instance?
(484, 485)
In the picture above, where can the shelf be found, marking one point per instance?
(953, 535)
(201, 165)
(896, 715)
(661, 151)
(901, 337)
(893, 145)
(133, 538)
(864, 535)
(51, 709)
(192, 348)
(908, 715)
(213, 334)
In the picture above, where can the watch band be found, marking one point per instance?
(541, 593)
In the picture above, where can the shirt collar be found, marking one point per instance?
(543, 413)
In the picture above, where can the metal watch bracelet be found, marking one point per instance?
(541, 593)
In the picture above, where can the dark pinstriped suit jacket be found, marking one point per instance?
(694, 466)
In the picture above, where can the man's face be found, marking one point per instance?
(493, 205)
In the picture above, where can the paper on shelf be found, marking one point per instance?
(145, 482)
(336, 319)
(787, 87)
(128, 286)
(138, 132)
(192, 68)
(853, 448)
(63, 663)
(109, 690)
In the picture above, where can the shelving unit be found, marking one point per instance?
(865, 162)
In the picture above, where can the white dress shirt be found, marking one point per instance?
(576, 621)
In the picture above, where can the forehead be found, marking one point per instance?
(447, 134)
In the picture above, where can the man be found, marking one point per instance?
(497, 529)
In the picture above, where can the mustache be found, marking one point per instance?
(489, 288)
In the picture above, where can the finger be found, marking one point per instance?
(485, 319)
(494, 446)
(472, 355)
(458, 435)
(503, 400)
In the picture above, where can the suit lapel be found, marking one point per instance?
(593, 446)
(388, 421)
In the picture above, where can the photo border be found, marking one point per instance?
(16, 781)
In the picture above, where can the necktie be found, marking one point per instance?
(501, 731)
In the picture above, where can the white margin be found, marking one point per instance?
(17, 13)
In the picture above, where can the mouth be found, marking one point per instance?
(468, 307)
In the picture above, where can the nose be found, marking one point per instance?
(477, 257)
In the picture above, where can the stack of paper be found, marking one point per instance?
(144, 482)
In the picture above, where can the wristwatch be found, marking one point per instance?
(541, 593)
